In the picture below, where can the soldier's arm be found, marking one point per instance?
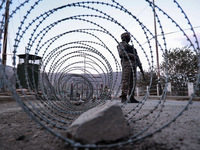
(139, 64)
(121, 49)
(131, 56)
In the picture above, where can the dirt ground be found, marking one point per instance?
(19, 132)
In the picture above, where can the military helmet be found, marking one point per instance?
(125, 35)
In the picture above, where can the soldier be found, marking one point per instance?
(128, 55)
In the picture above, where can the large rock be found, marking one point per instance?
(102, 123)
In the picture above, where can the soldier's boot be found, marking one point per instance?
(133, 100)
(123, 98)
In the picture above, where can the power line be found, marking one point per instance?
(172, 33)
(142, 10)
(179, 31)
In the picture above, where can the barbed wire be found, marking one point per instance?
(86, 63)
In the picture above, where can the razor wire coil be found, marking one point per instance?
(53, 110)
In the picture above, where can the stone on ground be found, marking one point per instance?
(102, 123)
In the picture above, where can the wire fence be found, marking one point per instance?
(186, 91)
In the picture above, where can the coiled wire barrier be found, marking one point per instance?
(75, 42)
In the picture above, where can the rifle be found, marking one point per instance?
(139, 64)
(142, 71)
(132, 50)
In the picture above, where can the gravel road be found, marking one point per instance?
(18, 131)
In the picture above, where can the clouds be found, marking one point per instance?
(193, 39)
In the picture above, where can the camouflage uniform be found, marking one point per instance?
(127, 77)
(129, 65)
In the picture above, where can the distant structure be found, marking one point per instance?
(28, 71)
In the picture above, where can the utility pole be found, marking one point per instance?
(4, 54)
(84, 68)
(157, 54)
